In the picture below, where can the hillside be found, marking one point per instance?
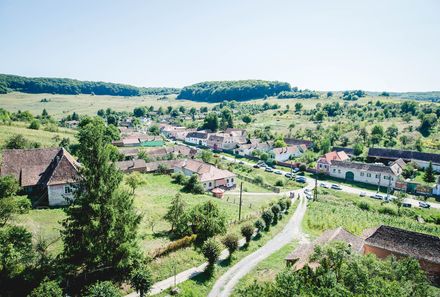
(67, 86)
(240, 90)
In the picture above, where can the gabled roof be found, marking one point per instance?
(286, 150)
(292, 141)
(408, 243)
(402, 154)
(200, 135)
(206, 172)
(43, 167)
(333, 156)
(377, 168)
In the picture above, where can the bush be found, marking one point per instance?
(276, 210)
(259, 180)
(179, 178)
(279, 183)
(288, 203)
(35, 125)
(211, 251)
(364, 205)
(259, 224)
(47, 288)
(387, 210)
(175, 245)
(103, 289)
(141, 280)
(282, 204)
(302, 167)
(231, 243)
(267, 217)
(247, 231)
(193, 185)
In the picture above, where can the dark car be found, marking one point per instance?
(300, 179)
(424, 204)
(256, 166)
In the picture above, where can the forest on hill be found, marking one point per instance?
(67, 86)
(240, 90)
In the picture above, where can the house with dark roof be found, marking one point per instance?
(422, 160)
(198, 138)
(300, 256)
(48, 175)
(385, 241)
(369, 173)
(292, 141)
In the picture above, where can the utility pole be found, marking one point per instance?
(315, 191)
(239, 205)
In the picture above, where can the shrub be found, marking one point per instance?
(47, 288)
(141, 280)
(259, 180)
(288, 203)
(211, 251)
(35, 125)
(364, 205)
(387, 210)
(247, 231)
(193, 185)
(231, 243)
(279, 183)
(267, 217)
(302, 167)
(103, 289)
(175, 245)
(179, 178)
(276, 210)
(259, 224)
(282, 204)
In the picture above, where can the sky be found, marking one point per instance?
(375, 45)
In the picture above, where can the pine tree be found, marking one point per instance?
(429, 174)
(100, 230)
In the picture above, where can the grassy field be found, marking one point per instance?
(61, 105)
(46, 138)
(201, 285)
(334, 209)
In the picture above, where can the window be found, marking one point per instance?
(386, 177)
(377, 176)
(232, 180)
(210, 184)
(368, 174)
(334, 170)
(68, 190)
(362, 174)
(339, 170)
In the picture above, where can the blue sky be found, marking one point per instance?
(324, 45)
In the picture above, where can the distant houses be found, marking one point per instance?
(139, 139)
(199, 138)
(282, 154)
(420, 159)
(47, 175)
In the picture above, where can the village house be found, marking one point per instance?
(210, 176)
(386, 241)
(292, 141)
(139, 139)
(420, 159)
(173, 152)
(248, 148)
(323, 163)
(226, 141)
(47, 175)
(199, 138)
(175, 132)
(374, 174)
(300, 256)
(282, 154)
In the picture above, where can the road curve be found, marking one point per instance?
(226, 283)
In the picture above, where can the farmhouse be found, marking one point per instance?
(386, 241)
(172, 151)
(198, 138)
(300, 256)
(282, 154)
(420, 159)
(45, 174)
(139, 139)
(374, 174)
(248, 148)
(210, 176)
(323, 164)
(292, 141)
(175, 132)
(226, 141)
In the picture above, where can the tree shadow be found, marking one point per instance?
(161, 234)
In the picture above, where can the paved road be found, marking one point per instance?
(226, 283)
(345, 188)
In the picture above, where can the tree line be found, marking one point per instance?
(67, 86)
(217, 91)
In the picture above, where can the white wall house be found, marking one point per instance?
(61, 194)
(373, 174)
(197, 138)
(282, 154)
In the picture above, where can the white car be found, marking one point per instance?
(377, 196)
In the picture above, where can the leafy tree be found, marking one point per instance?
(142, 280)
(358, 149)
(329, 94)
(267, 217)
(207, 220)
(211, 122)
(377, 134)
(11, 204)
(247, 231)
(193, 185)
(47, 288)
(276, 210)
(177, 216)
(259, 224)
(409, 171)
(246, 119)
(154, 130)
(227, 119)
(206, 156)
(231, 243)
(211, 251)
(8, 186)
(279, 143)
(140, 112)
(429, 176)
(103, 289)
(134, 180)
(19, 142)
(298, 106)
(428, 122)
(319, 116)
(100, 228)
(35, 125)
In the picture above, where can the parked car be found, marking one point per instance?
(336, 187)
(324, 185)
(268, 169)
(288, 175)
(309, 196)
(377, 196)
(308, 192)
(241, 163)
(296, 169)
(424, 204)
(300, 179)
(256, 166)
(406, 204)
(278, 172)
(362, 194)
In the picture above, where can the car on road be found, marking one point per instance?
(309, 196)
(307, 192)
(288, 175)
(424, 204)
(256, 166)
(406, 204)
(268, 169)
(300, 179)
(377, 196)
(241, 163)
(336, 187)
(295, 170)
(278, 172)
(324, 185)
(362, 194)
